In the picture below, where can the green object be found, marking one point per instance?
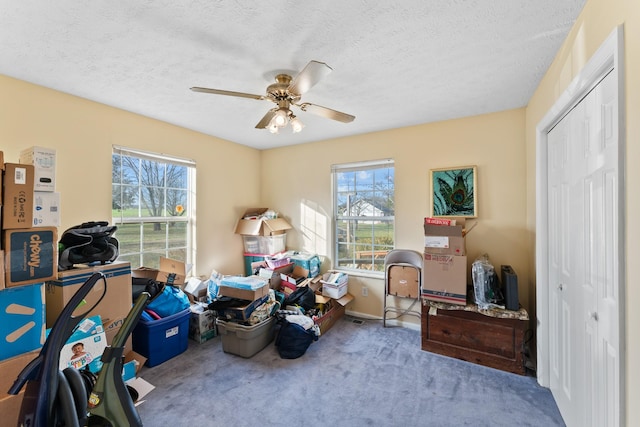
(110, 403)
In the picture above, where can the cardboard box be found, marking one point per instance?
(247, 294)
(46, 209)
(85, 346)
(10, 405)
(445, 278)
(114, 306)
(171, 271)
(31, 255)
(22, 326)
(44, 163)
(241, 313)
(11, 408)
(337, 309)
(2, 270)
(259, 226)
(197, 290)
(17, 196)
(287, 288)
(273, 275)
(111, 334)
(296, 277)
(133, 362)
(443, 230)
(202, 325)
(446, 245)
(335, 284)
(403, 281)
(10, 369)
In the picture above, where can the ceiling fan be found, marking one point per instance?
(285, 92)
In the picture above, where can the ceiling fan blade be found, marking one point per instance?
(311, 74)
(227, 92)
(327, 112)
(264, 122)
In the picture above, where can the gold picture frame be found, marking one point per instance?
(453, 192)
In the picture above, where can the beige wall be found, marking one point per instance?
(296, 181)
(596, 22)
(83, 132)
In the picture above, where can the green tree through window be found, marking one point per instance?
(152, 205)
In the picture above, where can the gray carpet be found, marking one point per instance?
(354, 375)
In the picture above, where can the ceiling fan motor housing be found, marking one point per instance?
(279, 91)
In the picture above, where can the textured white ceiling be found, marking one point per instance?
(395, 64)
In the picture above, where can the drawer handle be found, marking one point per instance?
(594, 315)
(560, 287)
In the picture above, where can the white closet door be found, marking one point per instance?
(602, 260)
(583, 191)
(564, 367)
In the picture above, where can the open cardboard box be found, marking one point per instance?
(133, 362)
(273, 275)
(196, 289)
(337, 309)
(171, 271)
(244, 294)
(296, 277)
(259, 226)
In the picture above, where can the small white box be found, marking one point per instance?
(46, 209)
(335, 284)
(44, 161)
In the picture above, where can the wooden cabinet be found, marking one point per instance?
(467, 334)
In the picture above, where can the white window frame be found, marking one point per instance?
(352, 167)
(190, 215)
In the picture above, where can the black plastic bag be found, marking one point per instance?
(303, 297)
(293, 340)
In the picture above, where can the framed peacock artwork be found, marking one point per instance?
(453, 192)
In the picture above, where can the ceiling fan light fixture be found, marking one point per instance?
(281, 117)
(273, 128)
(296, 124)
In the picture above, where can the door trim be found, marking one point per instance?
(609, 56)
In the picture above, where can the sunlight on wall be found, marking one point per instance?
(314, 228)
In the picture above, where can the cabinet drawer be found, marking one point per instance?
(476, 334)
(476, 338)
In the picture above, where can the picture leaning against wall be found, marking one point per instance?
(453, 192)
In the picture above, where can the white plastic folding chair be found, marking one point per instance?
(403, 279)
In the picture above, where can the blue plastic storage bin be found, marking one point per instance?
(160, 340)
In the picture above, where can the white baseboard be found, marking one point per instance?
(390, 322)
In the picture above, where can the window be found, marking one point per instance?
(364, 214)
(153, 205)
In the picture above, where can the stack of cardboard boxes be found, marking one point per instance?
(445, 261)
(32, 292)
(28, 257)
(262, 235)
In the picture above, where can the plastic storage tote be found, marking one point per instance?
(243, 340)
(160, 340)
